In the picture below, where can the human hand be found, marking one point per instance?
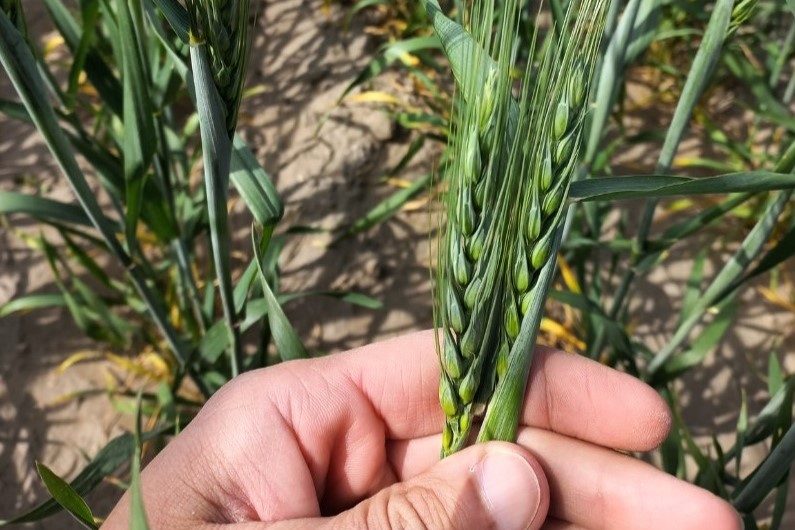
(351, 441)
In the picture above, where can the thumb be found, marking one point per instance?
(496, 486)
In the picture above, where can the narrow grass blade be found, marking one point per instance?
(137, 513)
(697, 80)
(285, 338)
(257, 308)
(613, 65)
(775, 376)
(107, 461)
(767, 476)
(348, 297)
(702, 345)
(741, 429)
(782, 251)
(255, 186)
(700, 75)
(387, 208)
(769, 418)
(177, 16)
(214, 341)
(67, 497)
(89, 11)
(217, 152)
(31, 303)
(358, 6)
(655, 186)
(781, 507)
(95, 67)
(693, 287)
(387, 55)
(243, 285)
(47, 210)
(139, 128)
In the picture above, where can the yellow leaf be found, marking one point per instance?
(375, 96)
(557, 330)
(399, 183)
(409, 59)
(52, 44)
(775, 299)
(679, 205)
(568, 275)
(75, 358)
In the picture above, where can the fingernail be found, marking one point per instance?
(510, 490)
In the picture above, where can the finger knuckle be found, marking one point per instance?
(416, 508)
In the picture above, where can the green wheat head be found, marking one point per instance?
(515, 159)
(223, 26)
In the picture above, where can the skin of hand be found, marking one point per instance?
(351, 441)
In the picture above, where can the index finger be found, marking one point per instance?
(566, 393)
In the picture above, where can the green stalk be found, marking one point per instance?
(768, 475)
(217, 153)
(219, 48)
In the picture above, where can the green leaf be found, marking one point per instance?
(610, 76)
(255, 186)
(137, 514)
(217, 154)
(775, 376)
(66, 496)
(47, 210)
(89, 10)
(177, 16)
(344, 296)
(388, 207)
(31, 303)
(214, 342)
(243, 285)
(648, 186)
(257, 308)
(742, 429)
(358, 6)
(767, 476)
(706, 341)
(285, 338)
(97, 70)
(106, 462)
(693, 288)
(782, 505)
(782, 251)
(139, 139)
(697, 79)
(614, 330)
(387, 55)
